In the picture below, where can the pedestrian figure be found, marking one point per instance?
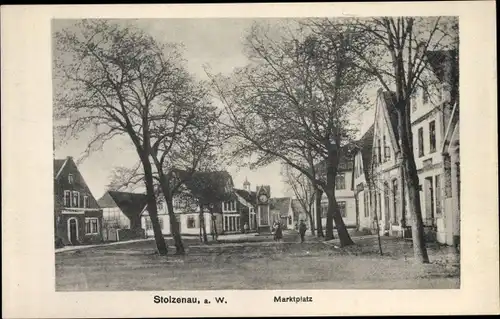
(302, 230)
(278, 233)
(245, 228)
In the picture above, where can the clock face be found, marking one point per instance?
(263, 198)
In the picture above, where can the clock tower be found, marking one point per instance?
(263, 214)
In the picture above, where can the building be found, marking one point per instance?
(247, 205)
(280, 208)
(377, 172)
(226, 209)
(121, 215)
(362, 181)
(434, 123)
(78, 217)
(344, 193)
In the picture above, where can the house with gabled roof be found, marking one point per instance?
(121, 215)
(280, 208)
(362, 180)
(433, 121)
(344, 192)
(386, 196)
(78, 217)
(227, 208)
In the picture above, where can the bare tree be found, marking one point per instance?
(394, 50)
(303, 191)
(118, 81)
(288, 100)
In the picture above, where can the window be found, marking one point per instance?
(421, 142)
(91, 226)
(414, 100)
(387, 153)
(226, 222)
(76, 199)
(191, 222)
(425, 95)
(432, 136)
(86, 202)
(438, 194)
(149, 224)
(67, 198)
(379, 153)
(229, 206)
(70, 178)
(176, 202)
(342, 210)
(340, 181)
(367, 203)
(395, 201)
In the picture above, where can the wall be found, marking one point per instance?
(114, 215)
(129, 234)
(82, 238)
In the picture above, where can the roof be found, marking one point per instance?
(444, 64)
(282, 204)
(212, 186)
(58, 164)
(365, 145)
(250, 197)
(345, 162)
(131, 204)
(390, 102)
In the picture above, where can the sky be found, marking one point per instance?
(216, 42)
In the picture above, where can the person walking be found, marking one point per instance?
(245, 228)
(302, 231)
(278, 233)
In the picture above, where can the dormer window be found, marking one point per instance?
(70, 178)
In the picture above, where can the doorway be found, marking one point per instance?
(429, 201)
(73, 231)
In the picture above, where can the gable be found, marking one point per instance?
(61, 182)
(131, 204)
(386, 121)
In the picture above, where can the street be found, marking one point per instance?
(256, 265)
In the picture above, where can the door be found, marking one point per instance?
(387, 212)
(73, 231)
(429, 201)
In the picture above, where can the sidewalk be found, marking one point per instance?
(80, 247)
(70, 248)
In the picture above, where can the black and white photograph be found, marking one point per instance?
(257, 153)
(249, 160)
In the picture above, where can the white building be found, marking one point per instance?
(379, 187)
(344, 194)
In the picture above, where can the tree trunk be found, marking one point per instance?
(377, 225)
(412, 182)
(174, 223)
(311, 222)
(214, 226)
(153, 210)
(203, 229)
(319, 224)
(334, 216)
